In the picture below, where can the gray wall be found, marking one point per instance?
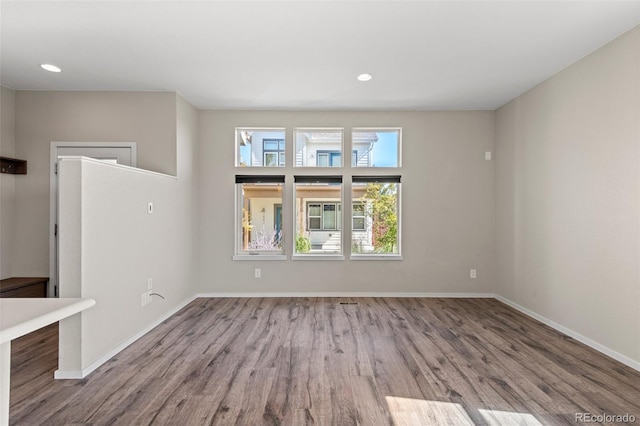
(188, 189)
(147, 118)
(110, 246)
(7, 183)
(447, 206)
(568, 197)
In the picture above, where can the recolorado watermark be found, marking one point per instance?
(604, 418)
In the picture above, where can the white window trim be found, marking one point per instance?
(362, 216)
(382, 256)
(253, 255)
(260, 257)
(309, 216)
(340, 212)
(379, 129)
(255, 129)
(375, 256)
(315, 256)
(337, 211)
(297, 130)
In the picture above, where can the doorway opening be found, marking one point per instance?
(113, 152)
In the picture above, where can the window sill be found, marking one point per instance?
(260, 257)
(375, 257)
(317, 257)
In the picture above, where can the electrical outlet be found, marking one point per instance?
(487, 155)
(473, 273)
(258, 273)
(149, 283)
(150, 208)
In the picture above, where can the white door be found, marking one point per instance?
(117, 152)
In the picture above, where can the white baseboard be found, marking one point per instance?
(81, 374)
(350, 294)
(579, 337)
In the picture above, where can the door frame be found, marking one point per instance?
(53, 197)
(277, 218)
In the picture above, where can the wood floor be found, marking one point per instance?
(298, 361)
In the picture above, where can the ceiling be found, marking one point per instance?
(300, 54)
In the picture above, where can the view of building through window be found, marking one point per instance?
(318, 214)
(260, 147)
(318, 148)
(376, 230)
(260, 210)
(376, 148)
(373, 216)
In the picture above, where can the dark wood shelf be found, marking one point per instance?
(24, 287)
(13, 166)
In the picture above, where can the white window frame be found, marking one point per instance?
(283, 130)
(320, 130)
(309, 216)
(318, 256)
(363, 216)
(338, 212)
(381, 256)
(240, 253)
(375, 130)
(279, 153)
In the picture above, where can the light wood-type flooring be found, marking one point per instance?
(299, 361)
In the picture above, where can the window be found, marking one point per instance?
(260, 147)
(358, 217)
(323, 216)
(333, 159)
(318, 215)
(259, 215)
(315, 229)
(318, 147)
(376, 147)
(314, 217)
(273, 151)
(375, 215)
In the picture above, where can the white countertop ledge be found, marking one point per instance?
(22, 316)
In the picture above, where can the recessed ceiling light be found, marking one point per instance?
(51, 68)
(364, 77)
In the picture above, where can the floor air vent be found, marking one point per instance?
(348, 303)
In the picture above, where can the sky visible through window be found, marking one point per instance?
(385, 150)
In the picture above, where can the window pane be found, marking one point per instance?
(318, 147)
(271, 145)
(323, 160)
(252, 144)
(376, 148)
(260, 217)
(314, 223)
(317, 218)
(329, 216)
(375, 218)
(270, 159)
(314, 210)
